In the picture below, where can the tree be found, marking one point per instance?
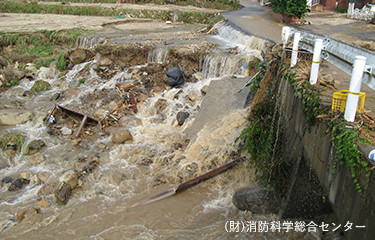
(290, 8)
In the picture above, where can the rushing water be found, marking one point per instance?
(102, 207)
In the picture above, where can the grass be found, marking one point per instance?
(41, 46)
(12, 140)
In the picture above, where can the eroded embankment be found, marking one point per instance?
(58, 180)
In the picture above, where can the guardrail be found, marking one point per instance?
(339, 53)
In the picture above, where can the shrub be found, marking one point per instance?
(296, 8)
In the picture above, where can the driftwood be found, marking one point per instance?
(115, 110)
(188, 184)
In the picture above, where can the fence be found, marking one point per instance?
(338, 53)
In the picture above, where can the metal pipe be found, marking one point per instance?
(354, 88)
(316, 61)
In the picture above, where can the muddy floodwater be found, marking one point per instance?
(156, 157)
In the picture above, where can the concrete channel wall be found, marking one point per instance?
(313, 183)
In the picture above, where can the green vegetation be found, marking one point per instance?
(309, 97)
(81, 81)
(93, 10)
(341, 10)
(296, 8)
(39, 47)
(264, 138)
(13, 141)
(346, 140)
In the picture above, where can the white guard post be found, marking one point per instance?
(294, 58)
(354, 88)
(285, 34)
(316, 61)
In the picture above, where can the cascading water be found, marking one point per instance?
(158, 55)
(156, 159)
(89, 42)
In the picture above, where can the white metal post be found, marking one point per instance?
(285, 34)
(294, 58)
(316, 61)
(354, 88)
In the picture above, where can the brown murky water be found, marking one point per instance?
(102, 207)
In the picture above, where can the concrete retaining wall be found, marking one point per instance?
(311, 154)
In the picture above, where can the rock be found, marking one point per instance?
(36, 159)
(160, 105)
(70, 177)
(18, 184)
(40, 86)
(204, 89)
(255, 199)
(194, 95)
(19, 74)
(26, 175)
(55, 96)
(46, 190)
(35, 146)
(43, 203)
(62, 193)
(181, 117)
(104, 62)
(77, 56)
(26, 212)
(197, 76)
(6, 180)
(66, 131)
(46, 73)
(130, 121)
(41, 177)
(121, 136)
(3, 62)
(74, 142)
(14, 116)
(27, 93)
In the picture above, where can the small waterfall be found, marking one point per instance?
(89, 42)
(244, 42)
(219, 65)
(158, 55)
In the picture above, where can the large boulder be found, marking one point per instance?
(77, 56)
(130, 121)
(256, 200)
(34, 146)
(121, 136)
(40, 86)
(14, 116)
